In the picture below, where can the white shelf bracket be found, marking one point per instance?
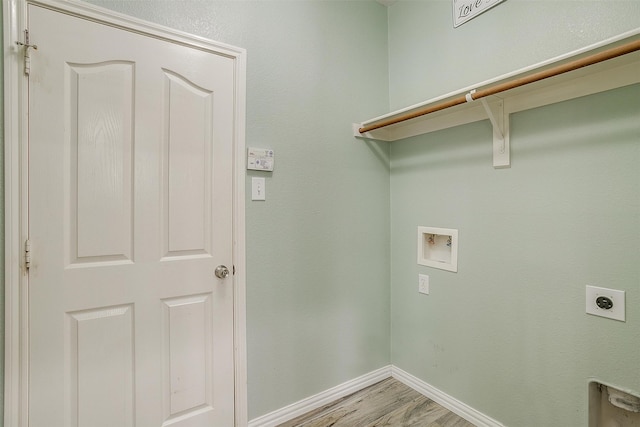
(500, 123)
(497, 127)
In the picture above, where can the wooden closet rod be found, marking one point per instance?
(517, 82)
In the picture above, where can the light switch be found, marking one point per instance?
(258, 189)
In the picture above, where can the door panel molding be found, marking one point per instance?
(16, 192)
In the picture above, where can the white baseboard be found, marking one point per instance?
(468, 413)
(314, 402)
(294, 410)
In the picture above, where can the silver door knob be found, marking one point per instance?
(221, 272)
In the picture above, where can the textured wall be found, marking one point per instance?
(508, 334)
(428, 57)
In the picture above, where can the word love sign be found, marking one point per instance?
(463, 10)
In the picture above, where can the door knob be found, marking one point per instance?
(221, 272)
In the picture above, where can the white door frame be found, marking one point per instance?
(16, 380)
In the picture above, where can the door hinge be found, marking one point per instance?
(233, 269)
(27, 254)
(27, 57)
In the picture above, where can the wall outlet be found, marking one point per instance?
(606, 303)
(423, 284)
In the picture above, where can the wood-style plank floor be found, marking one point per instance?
(387, 403)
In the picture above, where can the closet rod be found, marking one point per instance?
(512, 84)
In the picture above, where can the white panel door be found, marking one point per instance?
(130, 212)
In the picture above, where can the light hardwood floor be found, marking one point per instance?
(387, 403)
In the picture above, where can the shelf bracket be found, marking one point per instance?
(497, 127)
(500, 123)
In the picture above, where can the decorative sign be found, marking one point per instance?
(464, 10)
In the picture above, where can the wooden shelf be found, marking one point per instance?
(611, 74)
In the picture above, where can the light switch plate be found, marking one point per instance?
(616, 297)
(258, 191)
(423, 284)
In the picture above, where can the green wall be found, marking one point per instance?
(508, 334)
(318, 248)
(429, 58)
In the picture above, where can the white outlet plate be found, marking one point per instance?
(617, 312)
(423, 284)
